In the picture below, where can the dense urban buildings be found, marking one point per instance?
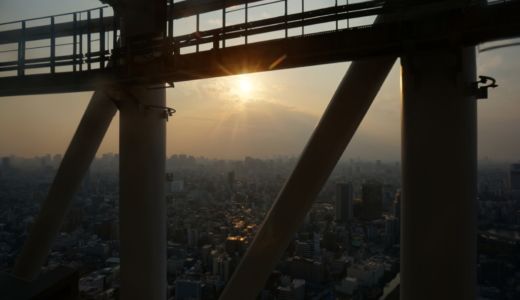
(347, 247)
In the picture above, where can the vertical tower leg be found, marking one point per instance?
(142, 215)
(439, 156)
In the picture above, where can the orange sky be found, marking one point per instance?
(217, 118)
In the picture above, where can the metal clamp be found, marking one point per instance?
(482, 92)
(168, 111)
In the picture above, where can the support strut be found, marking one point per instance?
(76, 161)
(333, 133)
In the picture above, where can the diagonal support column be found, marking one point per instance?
(74, 166)
(333, 133)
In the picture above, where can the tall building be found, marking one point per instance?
(6, 163)
(193, 237)
(231, 179)
(397, 204)
(221, 266)
(187, 289)
(235, 245)
(367, 273)
(86, 180)
(514, 176)
(372, 196)
(344, 202)
(293, 291)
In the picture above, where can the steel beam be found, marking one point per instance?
(74, 166)
(142, 204)
(439, 159)
(333, 133)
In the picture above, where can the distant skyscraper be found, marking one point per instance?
(293, 291)
(193, 237)
(188, 289)
(231, 179)
(56, 161)
(344, 195)
(372, 196)
(6, 163)
(86, 180)
(221, 266)
(397, 204)
(177, 185)
(514, 176)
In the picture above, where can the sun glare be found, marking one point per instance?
(245, 86)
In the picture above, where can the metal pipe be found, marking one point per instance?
(439, 160)
(53, 47)
(142, 215)
(101, 41)
(74, 42)
(89, 57)
(333, 133)
(74, 166)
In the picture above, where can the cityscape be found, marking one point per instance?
(347, 247)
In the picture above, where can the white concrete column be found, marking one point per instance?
(439, 158)
(142, 215)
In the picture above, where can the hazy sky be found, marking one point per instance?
(258, 114)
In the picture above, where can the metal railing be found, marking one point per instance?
(79, 53)
(87, 53)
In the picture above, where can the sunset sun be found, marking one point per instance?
(245, 86)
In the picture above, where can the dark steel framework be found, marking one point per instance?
(428, 24)
(436, 41)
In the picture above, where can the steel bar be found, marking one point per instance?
(81, 45)
(303, 19)
(170, 19)
(197, 30)
(439, 160)
(101, 40)
(223, 23)
(88, 38)
(21, 52)
(246, 21)
(53, 47)
(75, 163)
(329, 140)
(285, 13)
(74, 42)
(142, 215)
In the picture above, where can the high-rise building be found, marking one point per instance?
(235, 244)
(221, 266)
(86, 180)
(193, 236)
(56, 160)
(344, 202)
(187, 289)
(6, 163)
(514, 176)
(372, 196)
(397, 204)
(224, 232)
(205, 251)
(293, 291)
(231, 179)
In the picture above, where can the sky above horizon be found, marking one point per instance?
(258, 115)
